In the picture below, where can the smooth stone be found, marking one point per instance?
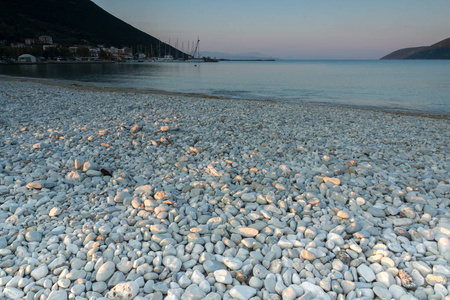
(366, 272)
(396, 291)
(444, 247)
(173, 263)
(143, 189)
(376, 212)
(316, 291)
(105, 271)
(135, 128)
(382, 293)
(124, 266)
(35, 185)
(289, 294)
(247, 232)
(99, 286)
(13, 293)
(256, 283)
(402, 222)
(93, 173)
(242, 292)
(193, 292)
(39, 272)
(90, 166)
(63, 283)
(213, 265)
(121, 197)
(347, 286)
(308, 255)
(223, 276)
(58, 295)
(116, 278)
(343, 214)
(232, 263)
(422, 267)
(432, 279)
(260, 271)
(248, 197)
(77, 289)
(33, 236)
(55, 211)
(386, 278)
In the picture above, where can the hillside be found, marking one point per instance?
(72, 22)
(440, 50)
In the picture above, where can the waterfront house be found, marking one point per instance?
(45, 39)
(26, 58)
(29, 42)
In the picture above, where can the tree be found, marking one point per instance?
(83, 52)
(65, 52)
(51, 52)
(37, 50)
(103, 55)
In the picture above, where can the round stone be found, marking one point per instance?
(105, 271)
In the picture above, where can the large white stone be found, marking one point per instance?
(13, 293)
(242, 292)
(173, 263)
(386, 278)
(223, 276)
(232, 263)
(124, 291)
(317, 291)
(58, 295)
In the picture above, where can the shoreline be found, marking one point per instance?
(127, 195)
(93, 87)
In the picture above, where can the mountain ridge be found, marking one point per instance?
(439, 50)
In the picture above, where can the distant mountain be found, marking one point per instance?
(440, 50)
(73, 22)
(243, 56)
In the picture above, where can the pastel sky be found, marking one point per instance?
(290, 29)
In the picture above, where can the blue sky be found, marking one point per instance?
(300, 29)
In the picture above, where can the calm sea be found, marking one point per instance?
(422, 86)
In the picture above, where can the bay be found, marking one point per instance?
(405, 85)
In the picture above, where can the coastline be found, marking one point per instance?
(108, 192)
(92, 87)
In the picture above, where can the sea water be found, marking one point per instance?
(407, 85)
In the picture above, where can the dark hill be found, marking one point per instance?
(73, 22)
(440, 50)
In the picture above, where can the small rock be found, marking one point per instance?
(33, 236)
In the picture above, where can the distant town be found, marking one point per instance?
(43, 49)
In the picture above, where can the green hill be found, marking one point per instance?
(440, 50)
(71, 22)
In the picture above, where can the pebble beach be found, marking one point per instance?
(110, 194)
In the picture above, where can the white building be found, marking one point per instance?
(26, 58)
(45, 39)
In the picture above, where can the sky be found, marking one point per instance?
(290, 29)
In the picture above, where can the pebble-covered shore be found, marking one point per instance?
(139, 196)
